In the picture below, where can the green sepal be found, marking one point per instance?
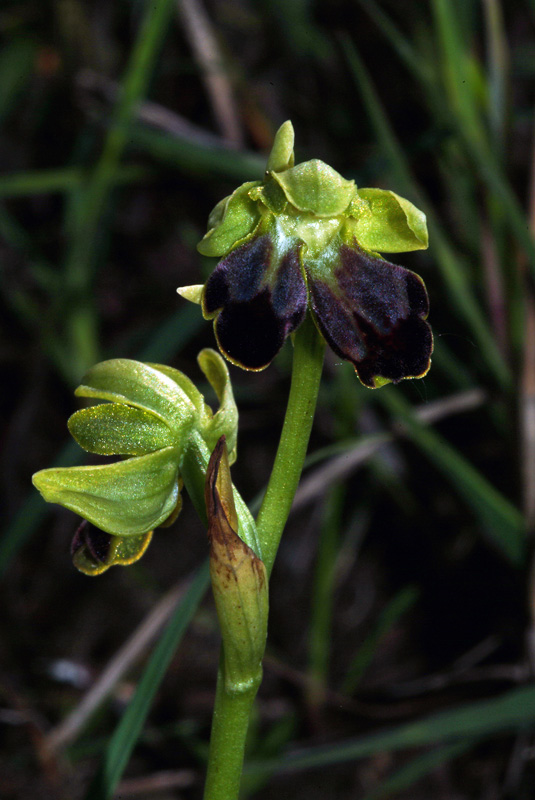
(282, 153)
(192, 293)
(124, 381)
(225, 421)
(123, 551)
(231, 221)
(316, 187)
(271, 195)
(117, 429)
(384, 222)
(186, 385)
(126, 498)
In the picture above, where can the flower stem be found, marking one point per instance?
(230, 723)
(306, 374)
(232, 708)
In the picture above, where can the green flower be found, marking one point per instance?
(307, 238)
(147, 414)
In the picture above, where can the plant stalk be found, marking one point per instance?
(232, 709)
(230, 723)
(309, 348)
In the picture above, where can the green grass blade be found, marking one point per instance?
(497, 67)
(406, 52)
(508, 713)
(453, 270)
(66, 179)
(197, 158)
(458, 68)
(399, 605)
(126, 734)
(496, 181)
(418, 768)
(33, 511)
(499, 518)
(465, 103)
(133, 89)
(17, 64)
(173, 334)
(323, 594)
(86, 233)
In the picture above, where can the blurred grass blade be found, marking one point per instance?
(418, 768)
(454, 273)
(406, 52)
(127, 732)
(17, 64)
(323, 594)
(33, 511)
(86, 233)
(197, 158)
(459, 69)
(465, 101)
(42, 272)
(496, 181)
(508, 713)
(499, 518)
(173, 334)
(399, 605)
(46, 181)
(498, 68)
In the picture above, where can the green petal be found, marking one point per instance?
(186, 385)
(124, 381)
(114, 550)
(127, 498)
(271, 195)
(282, 152)
(118, 429)
(231, 221)
(225, 421)
(314, 186)
(384, 222)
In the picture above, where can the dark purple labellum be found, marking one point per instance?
(94, 541)
(259, 297)
(373, 314)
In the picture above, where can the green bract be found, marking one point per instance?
(306, 237)
(147, 417)
(239, 581)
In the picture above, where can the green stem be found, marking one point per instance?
(230, 723)
(232, 709)
(306, 374)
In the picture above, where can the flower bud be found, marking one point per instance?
(239, 581)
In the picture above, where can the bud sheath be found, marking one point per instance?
(239, 581)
